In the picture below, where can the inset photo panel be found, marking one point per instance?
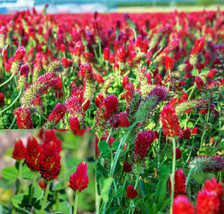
(47, 171)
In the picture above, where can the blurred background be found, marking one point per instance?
(83, 6)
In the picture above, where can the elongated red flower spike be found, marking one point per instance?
(123, 120)
(55, 67)
(73, 106)
(131, 192)
(182, 205)
(199, 44)
(207, 203)
(169, 63)
(179, 184)
(143, 141)
(200, 84)
(50, 165)
(32, 156)
(57, 114)
(23, 118)
(43, 83)
(79, 180)
(24, 70)
(106, 54)
(110, 106)
(98, 99)
(19, 150)
(207, 163)
(20, 52)
(170, 122)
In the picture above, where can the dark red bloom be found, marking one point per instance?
(109, 105)
(143, 140)
(50, 165)
(125, 80)
(199, 83)
(186, 134)
(178, 153)
(23, 118)
(199, 44)
(106, 54)
(50, 136)
(32, 155)
(75, 126)
(2, 99)
(182, 205)
(24, 70)
(179, 183)
(20, 52)
(215, 186)
(170, 122)
(79, 180)
(98, 99)
(42, 183)
(57, 114)
(123, 119)
(127, 167)
(121, 54)
(19, 150)
(131, 192)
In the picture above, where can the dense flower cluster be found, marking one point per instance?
(44, 157)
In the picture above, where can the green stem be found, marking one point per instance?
(189, 176)
(172, 177)
(19, 174)
(7, 80)
(98, 199)
(32, 187)
(57, 200)
(192, 90)
(13, 122)
(76, 203)
(45, 198)
(41, 115)
(12, 102)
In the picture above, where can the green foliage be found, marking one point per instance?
(10, 173)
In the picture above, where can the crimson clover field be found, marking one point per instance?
(149, 85)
